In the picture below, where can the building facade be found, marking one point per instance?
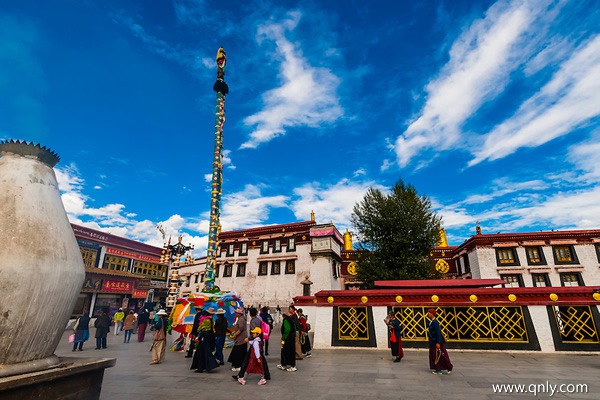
(535, 259)
(119, 272)
(270, 265)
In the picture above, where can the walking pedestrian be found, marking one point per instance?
(288, 341)
(159, 338)
(143, 319)
(193, 335)
(304, 339)
(81, 331)
(203, 358)
(257, 362)
(102, 325)
(240, 334)
(395, 337)
(220, 334)
(438, 355)
(268, 319)
(118, 320)
(128, 326)
(294, 317)
(255, 324)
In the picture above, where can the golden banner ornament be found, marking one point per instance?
(473, 298)
(435, 299)
(330, 299)
(398, 299)
(364, 299)
(512, 297)
(596, 296)
(553, 296)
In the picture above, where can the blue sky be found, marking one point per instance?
(489, 108)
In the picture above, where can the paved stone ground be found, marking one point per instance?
(343, 374)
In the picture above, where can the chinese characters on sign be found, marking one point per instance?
(132, 255)
(117, 286)
(139, 294)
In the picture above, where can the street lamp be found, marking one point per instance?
(171, 255)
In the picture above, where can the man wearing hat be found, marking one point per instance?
(240, 334)
(159, 338)
(438, 356)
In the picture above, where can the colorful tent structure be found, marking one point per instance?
(182, 315)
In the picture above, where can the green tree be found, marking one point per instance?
(395, 233)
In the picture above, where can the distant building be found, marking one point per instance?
(119, 272)
(555, 258)
(271, 265)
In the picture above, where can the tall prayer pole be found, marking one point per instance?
(217, 175)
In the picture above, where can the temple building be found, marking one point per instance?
(554, 258)
(270, 265)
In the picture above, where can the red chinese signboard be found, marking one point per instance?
(132, 255)
(117, 286)
(139, 294)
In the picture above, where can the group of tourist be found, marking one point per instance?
(438, 355)
(251, 341)
(122, 323)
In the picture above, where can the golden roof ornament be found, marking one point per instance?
(442, 240)
(347, 241)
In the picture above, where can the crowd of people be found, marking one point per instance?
(250, 338)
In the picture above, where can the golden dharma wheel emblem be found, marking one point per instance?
(512, 297)
(596, 296)
(315, 301)
(553, 296)
(303, 237)
(330, 299)
(254, 243)
(398, 299)
(442, 267)
(473, 298)
(435, 298)
(364, 299)
(353, 268)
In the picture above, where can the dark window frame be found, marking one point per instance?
(597, 246)
(293, 263)
(217, 269)
(275, 243)
(262, 247)
(518, 276)
(540, 251)
(230, 250)
(291, 244)
(515, 261)
(541, 274)
(227, 270)
(577, 275)
(241, 269)
(571, 248)
(263, 268)
(243, 249)
(278, 263)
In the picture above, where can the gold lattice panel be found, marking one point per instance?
(353, 323)
(466, 324)
(576, 324)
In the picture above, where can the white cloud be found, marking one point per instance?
(481, 60)
(248, 208)
(387, 164)
(331, 202)
(359, 172)
(227, 160)
(504, 186)
(569, 100)
(307, 96)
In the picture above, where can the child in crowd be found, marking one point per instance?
(255, 364)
